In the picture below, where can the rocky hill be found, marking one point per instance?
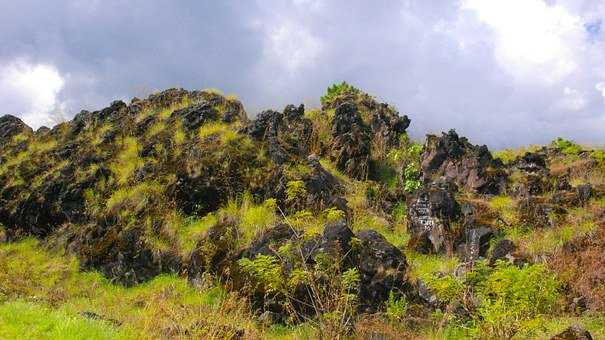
(328, 218)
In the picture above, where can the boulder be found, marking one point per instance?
(383, 269)
(531, 162)
(324, 190)
(573, 332)
(215, 252)
(286, 134)
(503, 250)
(11, 126)
(351, 142)
(430, 214)
(469, 166)
(475, 243)
(584, 193)
(195, 115)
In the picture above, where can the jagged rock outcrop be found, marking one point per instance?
(11, 126)
(430, 215)
(362, 129)
(286, 134)
(471, 167)
(351, 142)
(382, 266)
(475, 243)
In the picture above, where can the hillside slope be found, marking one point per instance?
(305, 222)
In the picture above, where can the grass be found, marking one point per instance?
(128, 160)
(509, 155)
(212, 128)
(131, 200)
(23, 320)
(33, 279)
(192, 228)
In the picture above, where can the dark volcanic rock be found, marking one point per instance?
(430, 214)
(475, 243)
(503, 250)
(351, 140)
(11, 126)
(287, 134)
(584, 192)
(382, 267)
(531, 162)
(194, 116)
(324, 190)
(536, 214)
(573, 332)
(469, 166)
(215, 252)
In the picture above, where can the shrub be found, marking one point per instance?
(336, 90)
(396, 308)
(295, 190)
(212, 128)
(131, 201)
(511, 296)
(567, 147)
(265, 271)
(334, 214)
(412, 174)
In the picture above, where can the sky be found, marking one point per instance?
(502, 72)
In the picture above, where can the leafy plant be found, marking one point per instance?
(412, 174)
(510, 296)
(295, 190)
(336, 90)
(567, 147)
(396, 307)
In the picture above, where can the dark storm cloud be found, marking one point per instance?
(446, 64)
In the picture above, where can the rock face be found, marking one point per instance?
(574, 332)
(11, 126)
(351, 142)
(503, 251)
(471, 167)
(287, 134)
(430, 214)
(382, 267)
(475, 243)
(362, 129)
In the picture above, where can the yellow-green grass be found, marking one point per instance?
(34, 279)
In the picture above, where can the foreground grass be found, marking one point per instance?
(46, 294)
(25, 320)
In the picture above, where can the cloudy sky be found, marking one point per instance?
(502, 72)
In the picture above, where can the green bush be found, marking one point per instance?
(336, 90)
(567, 147)
(412, 174)
(396, 308)
(511, 297)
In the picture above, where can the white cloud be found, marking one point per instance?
(533, 40)
(601, 88)
(292, 46)
(572, 100)
(31, 91)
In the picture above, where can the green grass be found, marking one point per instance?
(23, 320)
(32, 279)
(509, 155)
(128, 160)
